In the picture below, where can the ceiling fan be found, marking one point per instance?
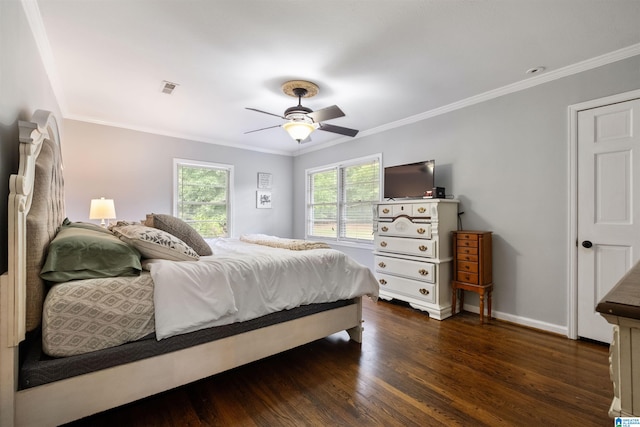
(300, 120)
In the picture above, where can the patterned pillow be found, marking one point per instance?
(154, 243)
(181, 230)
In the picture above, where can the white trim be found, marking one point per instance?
(519, 320)
(34, 18)
(572, 137)
(177, 135)
(598, 61)
(211, 165)
(349, 244)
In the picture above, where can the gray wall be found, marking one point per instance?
(136, 170)
(24, 87)
(506, 160)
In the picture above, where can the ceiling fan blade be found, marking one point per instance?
(265, 112)
(258, 130)
(338, 129)
(324, 114)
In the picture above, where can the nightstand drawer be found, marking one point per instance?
(417, 247)
(417, 270)
(411, 288)
(404, 227)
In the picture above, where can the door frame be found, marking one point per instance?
(572, 244)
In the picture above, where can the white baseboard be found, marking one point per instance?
(524, 321)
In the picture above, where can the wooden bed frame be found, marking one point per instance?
(73, 398)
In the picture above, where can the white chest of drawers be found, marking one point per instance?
(413, 252)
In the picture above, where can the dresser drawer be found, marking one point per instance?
(422, 210)
(417, 247)
(467, 257)
(385, 211)
(404, 227)
(468, 267)
(467, 236)
(417, 270)
(462, 276)
(465, 250)
(406, 287)
(467, 244)
(393, 210)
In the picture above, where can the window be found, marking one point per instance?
(340, 199)
(202, 196)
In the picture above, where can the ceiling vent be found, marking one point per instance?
(168, 87)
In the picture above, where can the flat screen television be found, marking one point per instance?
(409, 181)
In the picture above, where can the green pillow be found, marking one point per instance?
(87, 251)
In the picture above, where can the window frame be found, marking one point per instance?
(209, 165)
(339, 166)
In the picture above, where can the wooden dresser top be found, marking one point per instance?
(624, 299)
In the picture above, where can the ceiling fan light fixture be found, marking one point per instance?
(299, 130)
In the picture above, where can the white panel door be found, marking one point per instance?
(608, 212)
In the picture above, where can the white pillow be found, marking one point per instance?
(154, 243)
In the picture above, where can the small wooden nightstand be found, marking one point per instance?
(472, 268)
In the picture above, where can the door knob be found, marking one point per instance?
(587, 244)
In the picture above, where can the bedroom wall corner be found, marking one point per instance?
(506, 160)
(25, 87)
(136, 170)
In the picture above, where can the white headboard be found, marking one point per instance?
(36, 209)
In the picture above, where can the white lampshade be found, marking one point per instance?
(299, 130)
(102, 209)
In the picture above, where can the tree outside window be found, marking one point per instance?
(202, 196)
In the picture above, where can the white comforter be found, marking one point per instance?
(242, 281)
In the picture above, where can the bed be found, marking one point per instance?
(48, 377)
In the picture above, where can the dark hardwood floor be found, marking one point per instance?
(409, 371)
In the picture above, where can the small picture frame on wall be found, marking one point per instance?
(263, 199)
(264, 180)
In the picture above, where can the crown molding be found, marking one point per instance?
(177, 135)
(589, 64)
(34, 18)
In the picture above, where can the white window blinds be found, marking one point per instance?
(341, 198)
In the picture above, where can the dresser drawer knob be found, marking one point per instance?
(423, 272)
(382, 264)
(385, 210)
(385, 228)
(421, 230)
(423, 291)
(422, 248)
(383, 244)
(382, 282)
(421, 210)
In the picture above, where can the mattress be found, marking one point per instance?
(87, 315)
(240, 282)
(38, 368)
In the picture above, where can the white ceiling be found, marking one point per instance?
(382, 62)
